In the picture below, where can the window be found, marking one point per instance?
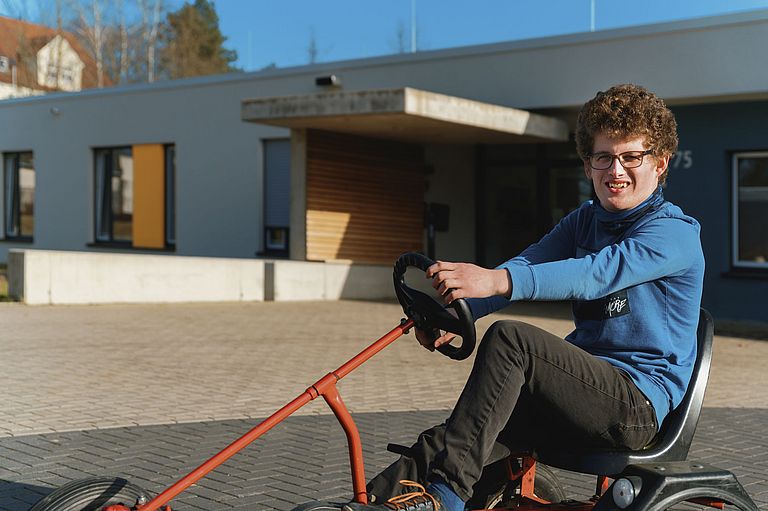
(277, 193)
(134, 195)
(750, 210)
(114, 194)
(170, 195)
(19, 184)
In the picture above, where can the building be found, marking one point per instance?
(35, 59)
(336, 161)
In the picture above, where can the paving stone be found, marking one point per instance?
(152, 391)
(278, 482)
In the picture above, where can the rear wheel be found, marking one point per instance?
(546, 487)
(93, 494)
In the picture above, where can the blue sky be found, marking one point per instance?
(265, 32)
(269, 31)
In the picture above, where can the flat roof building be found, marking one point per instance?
(339, 161)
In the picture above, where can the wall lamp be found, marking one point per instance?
(328, 81)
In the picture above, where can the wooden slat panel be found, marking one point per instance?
(364, 198)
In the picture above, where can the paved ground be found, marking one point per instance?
(149, 392)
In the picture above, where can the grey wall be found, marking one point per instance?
(219, 163)
(712, 133)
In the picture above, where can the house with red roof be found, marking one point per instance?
(36, 59)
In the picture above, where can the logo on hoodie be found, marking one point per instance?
(608, 307)
(616, 305)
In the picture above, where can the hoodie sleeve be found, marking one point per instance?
(555, 245)
(657, 249)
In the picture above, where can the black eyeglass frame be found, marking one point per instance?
(641, 154)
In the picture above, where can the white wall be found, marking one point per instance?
(304, 280)
(59, 277)
(8, 90)
(60, 54)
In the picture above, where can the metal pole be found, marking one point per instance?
(592, 15)
(413, 26)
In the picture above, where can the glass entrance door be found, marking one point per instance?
(523, 192)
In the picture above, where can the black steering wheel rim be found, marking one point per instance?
(428, 314)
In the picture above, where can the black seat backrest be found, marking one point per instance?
(673, 440)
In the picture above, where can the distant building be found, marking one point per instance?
(35, 59)
(340, 161)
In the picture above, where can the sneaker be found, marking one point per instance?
(416, 500)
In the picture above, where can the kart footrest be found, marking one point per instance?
(399, 449)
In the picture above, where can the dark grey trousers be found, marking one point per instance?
(527, 388)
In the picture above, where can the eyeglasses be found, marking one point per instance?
(628, 159)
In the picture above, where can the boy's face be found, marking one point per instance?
(619, 188)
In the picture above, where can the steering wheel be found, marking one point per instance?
(428, 314)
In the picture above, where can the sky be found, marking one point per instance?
(280, 32)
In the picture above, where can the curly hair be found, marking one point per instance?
(627, 111)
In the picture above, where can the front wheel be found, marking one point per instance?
(93, 494)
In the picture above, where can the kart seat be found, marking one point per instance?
(673, 440)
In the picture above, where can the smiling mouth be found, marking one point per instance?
(617, 186)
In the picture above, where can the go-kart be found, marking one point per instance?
(655, 478)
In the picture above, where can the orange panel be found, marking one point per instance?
(148, 196)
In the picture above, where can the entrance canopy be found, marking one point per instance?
(406, 114)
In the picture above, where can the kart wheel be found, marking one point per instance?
(92, 494)
(320, 506)
(546, 486)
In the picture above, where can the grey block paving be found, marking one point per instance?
(301, 460)
(151, 391)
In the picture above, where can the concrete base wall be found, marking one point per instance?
(301, 280)
(58, 277)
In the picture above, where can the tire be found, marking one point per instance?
(92, 494)
(319, 506)
(546, 486)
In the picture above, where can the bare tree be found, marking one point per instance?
(59, 38)
(401, 43)
(123, 66)
(312, 47)
(150, 27)
(90, 26)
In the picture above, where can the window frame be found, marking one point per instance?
(105, 214)
(13, 232)
(737, 264)
(269, 248)
(169, 205)
(169, 199)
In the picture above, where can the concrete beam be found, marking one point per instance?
(406, 114)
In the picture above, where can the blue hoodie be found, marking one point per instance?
(635, 280)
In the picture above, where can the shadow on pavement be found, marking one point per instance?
(20, 496)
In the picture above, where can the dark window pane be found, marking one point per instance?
(170, 194)
(753, 211)
(114, 194)
(103, 216)
(122, 195)
(26, 195)
(19, 183)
